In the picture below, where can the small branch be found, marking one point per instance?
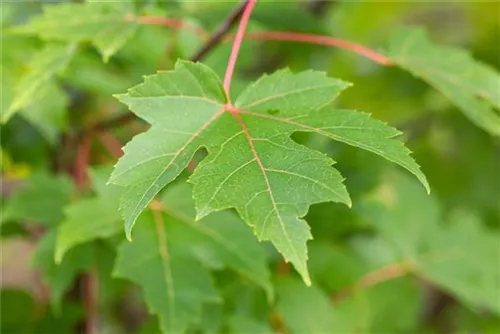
(112, 144)
(237, 44)
(280, 36)
(110, 123)
(219, 34)
(320, 40)
(375, 277)
(90, 299)
(81, 163)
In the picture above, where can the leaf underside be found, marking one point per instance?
(252, 164)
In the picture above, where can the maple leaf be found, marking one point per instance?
(39, 200)
(252, 165)
(460, 257)
(472, 86)
(90, 218)
(60, 276)
(103, 24)
(173, 247)
(45, 64)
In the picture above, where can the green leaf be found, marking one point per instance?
(39, 200)
(90, 218)
(175, 284)
(48, 112)
(472, 86)
(176, 253)
(461, 257)
(60, 276)
(306, 309)
(41, 69)
(253, 164)
(18, 311)
(103, 24)
(242, 323)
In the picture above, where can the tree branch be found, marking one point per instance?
(378, 276)
(219, 34)
(320, 40)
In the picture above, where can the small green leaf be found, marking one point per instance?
(40, 199)
(472, 86)
(60, 276)
(48, 113)
(90, 218)
(104, 24)
(41, 69)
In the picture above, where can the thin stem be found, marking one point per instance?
(237, 44)
(90, 299)
(112, 144)
(81, 162)
(276, 36)
(219, 34)
(320, 40)
(378, 276)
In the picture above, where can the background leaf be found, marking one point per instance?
(472, 86)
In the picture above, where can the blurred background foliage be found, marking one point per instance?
(393, 223)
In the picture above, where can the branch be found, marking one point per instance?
(375, 277)
(237, 44)
(81, 163)
(218, 35)
(90, 300)
(320, 40)
(110, 123)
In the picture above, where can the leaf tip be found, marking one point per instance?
(203, 212)
(58, 256)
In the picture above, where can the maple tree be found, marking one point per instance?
(203, 180)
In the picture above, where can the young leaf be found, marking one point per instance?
(90, 218)
(176, 252)
(48, 112)
(60, 276)
(43, 66)
(40, 200)
(252, 164)
(472, 86)
(103, 24)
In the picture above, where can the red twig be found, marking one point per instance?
(81, 163)
(90, 299)
(320, 40)
(275, 36)
(237, 44)
(112, 144)
(378, 276)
